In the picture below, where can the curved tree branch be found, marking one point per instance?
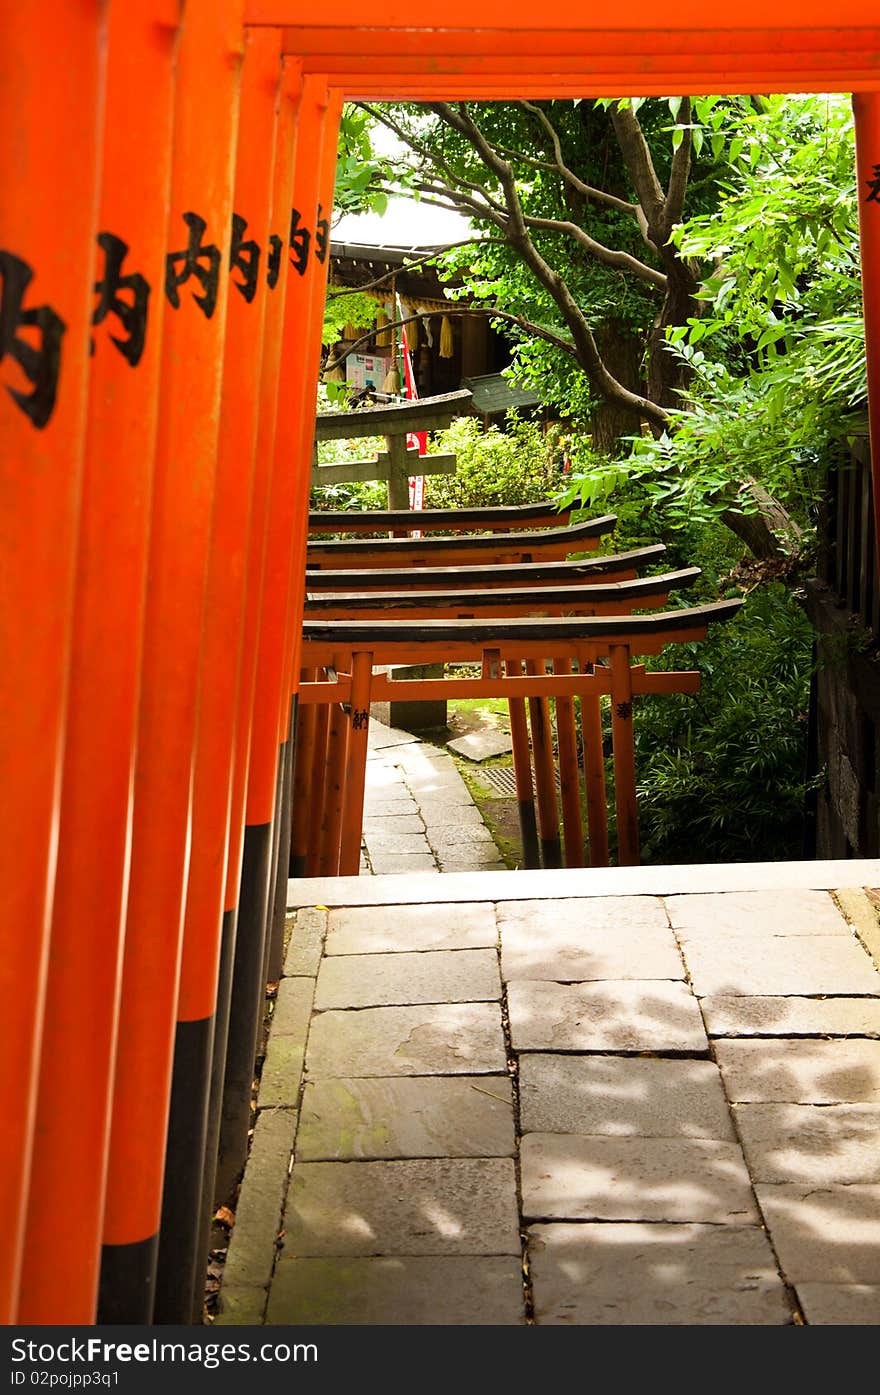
(679, 171)
(586, 348)
(620, 261)
(588, 190)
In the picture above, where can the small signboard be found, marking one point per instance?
(366, 371)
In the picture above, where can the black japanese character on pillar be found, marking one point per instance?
(874, 186)
(244, 257)
(322, 237)
(273, 261)
(40, 362)
(300, 242)
(132, 315)
(196, 260)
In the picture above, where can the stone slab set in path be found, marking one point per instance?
(588, 1110)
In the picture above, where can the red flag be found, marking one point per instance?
(415, 440)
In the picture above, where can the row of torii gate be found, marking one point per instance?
(159, 344)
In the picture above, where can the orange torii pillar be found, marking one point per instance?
(313, 320)
(866, 109)
(271, 702)
(251, 269)
(196, 286)
(51, 95)
(266, 481)
(94, 843)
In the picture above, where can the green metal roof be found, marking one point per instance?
(494, 393)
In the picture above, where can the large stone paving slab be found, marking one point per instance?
(386, 929)
(442, 1206)
(615, 915)
(379, 807)
(403, 835)
(812, 964)
(384, 861)
(623, 1096)
(435, 1039)
(569, 953)
(440, 976)
(856, 1305)
(381, 737)
(790, 1017)
(723, 915)
(447, 1290)
(437, 811)
(657, 1275)
(569, 1177)
(385, 781)
(482, 745)
(624, 1016)
(824, 1234)
(837, 1143)
(798, 1071)
(432, 1117)
(453, 834)
(455, 857)
(378, 828)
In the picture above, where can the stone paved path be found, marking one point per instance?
(601, 1108)
(418, 812)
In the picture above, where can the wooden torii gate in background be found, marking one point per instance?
(159, 344)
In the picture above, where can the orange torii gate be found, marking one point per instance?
(159, 330)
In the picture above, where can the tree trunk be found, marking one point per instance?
(770, 533)
(622, 353)
(666, 371)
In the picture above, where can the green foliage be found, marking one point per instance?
(784, 241)
(360, 172)
(519, 465)
(776, 361)
(721, 774)
(349, 309)
(735, 430)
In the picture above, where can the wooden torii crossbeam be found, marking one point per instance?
(621, 566)
(602, 649)
(502, 518)
(548, 544)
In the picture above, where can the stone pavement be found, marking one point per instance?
(582, 1098)
(418, 812)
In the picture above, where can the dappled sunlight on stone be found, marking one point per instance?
(613, 1274)
(569, 1177)
(357, 1226)
(442, 1221)
(623, 1096)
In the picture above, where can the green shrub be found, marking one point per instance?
(721, 774)
(520, 465)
